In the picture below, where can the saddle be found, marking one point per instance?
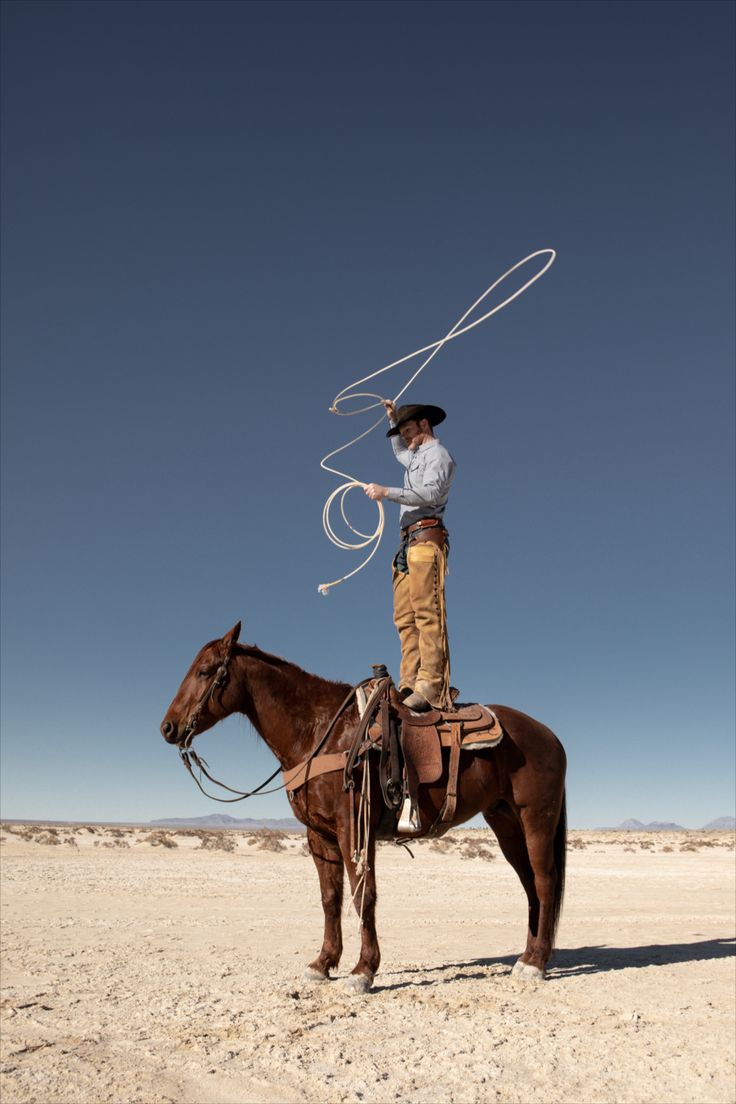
(419, 742)
(410, 748)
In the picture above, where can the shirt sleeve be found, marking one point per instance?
(401, 452)
(438, 476)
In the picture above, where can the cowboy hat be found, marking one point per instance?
(433, 414)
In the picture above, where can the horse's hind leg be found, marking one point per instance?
(330, 868)
(539, 832)
(510, 835)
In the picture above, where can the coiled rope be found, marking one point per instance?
(348, 393)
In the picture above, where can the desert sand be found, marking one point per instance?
(155, 966)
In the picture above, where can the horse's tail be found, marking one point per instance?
(560, 854)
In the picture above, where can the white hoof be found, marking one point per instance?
(357, 983)
(310, 974)
(526, 972)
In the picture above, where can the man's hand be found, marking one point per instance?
(375, 491)
(390, 409)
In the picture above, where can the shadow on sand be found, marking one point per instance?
(570, 962)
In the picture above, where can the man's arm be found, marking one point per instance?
(376, 491)
(401, 452)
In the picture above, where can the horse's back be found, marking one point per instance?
(533, 739)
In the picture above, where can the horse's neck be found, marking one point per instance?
(288, 707)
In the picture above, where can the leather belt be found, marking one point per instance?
(423, 523)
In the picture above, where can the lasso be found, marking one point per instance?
(347, 393)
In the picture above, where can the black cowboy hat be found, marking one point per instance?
(433, 414)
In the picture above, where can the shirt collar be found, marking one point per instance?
(428, 444)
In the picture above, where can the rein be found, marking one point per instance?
(189, 756)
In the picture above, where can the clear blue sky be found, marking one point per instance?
(215, 216)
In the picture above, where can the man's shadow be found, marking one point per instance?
(572, 962)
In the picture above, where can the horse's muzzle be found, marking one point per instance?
(169, 733)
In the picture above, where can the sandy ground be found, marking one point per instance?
(140, 972)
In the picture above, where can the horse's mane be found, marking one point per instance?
(284, 664)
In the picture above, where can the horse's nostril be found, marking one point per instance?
(167, 730)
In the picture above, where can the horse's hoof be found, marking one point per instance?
(524, 971)
(357, 983)
(311, 974)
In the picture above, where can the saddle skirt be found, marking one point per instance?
(471, 727)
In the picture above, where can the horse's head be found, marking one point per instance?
(199, 704)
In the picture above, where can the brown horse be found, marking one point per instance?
(518, 786)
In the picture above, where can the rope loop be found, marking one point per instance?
(349, 394)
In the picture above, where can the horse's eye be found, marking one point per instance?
(205, 672)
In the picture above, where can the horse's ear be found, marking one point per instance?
(231, 638)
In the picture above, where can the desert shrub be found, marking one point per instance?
(272, 843)
(476, 850)
(690, 846)
(577, 844)
(50, 837)
(160, 839)
(265, 833)
(441, 845)
(267, 839)
(304, 849)
(667, 847)
(71, 842)
(217, 841)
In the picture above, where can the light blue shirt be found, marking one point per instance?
(429, 473)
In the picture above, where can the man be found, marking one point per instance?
(420, 565)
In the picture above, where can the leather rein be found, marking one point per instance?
(190, 758)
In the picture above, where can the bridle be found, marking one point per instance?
(190, 728)
(189, 756)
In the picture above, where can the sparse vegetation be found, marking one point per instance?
(267, 839)
(160, 839)
(217, 841)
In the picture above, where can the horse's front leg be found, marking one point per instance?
(330, 868)
(363, 888)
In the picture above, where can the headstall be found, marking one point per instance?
(219, 680)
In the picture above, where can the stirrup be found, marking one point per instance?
(409, 822)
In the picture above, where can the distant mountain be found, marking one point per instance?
(637, 826)
(721, 824)
(222, 820)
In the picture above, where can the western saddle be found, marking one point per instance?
(409, 746)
